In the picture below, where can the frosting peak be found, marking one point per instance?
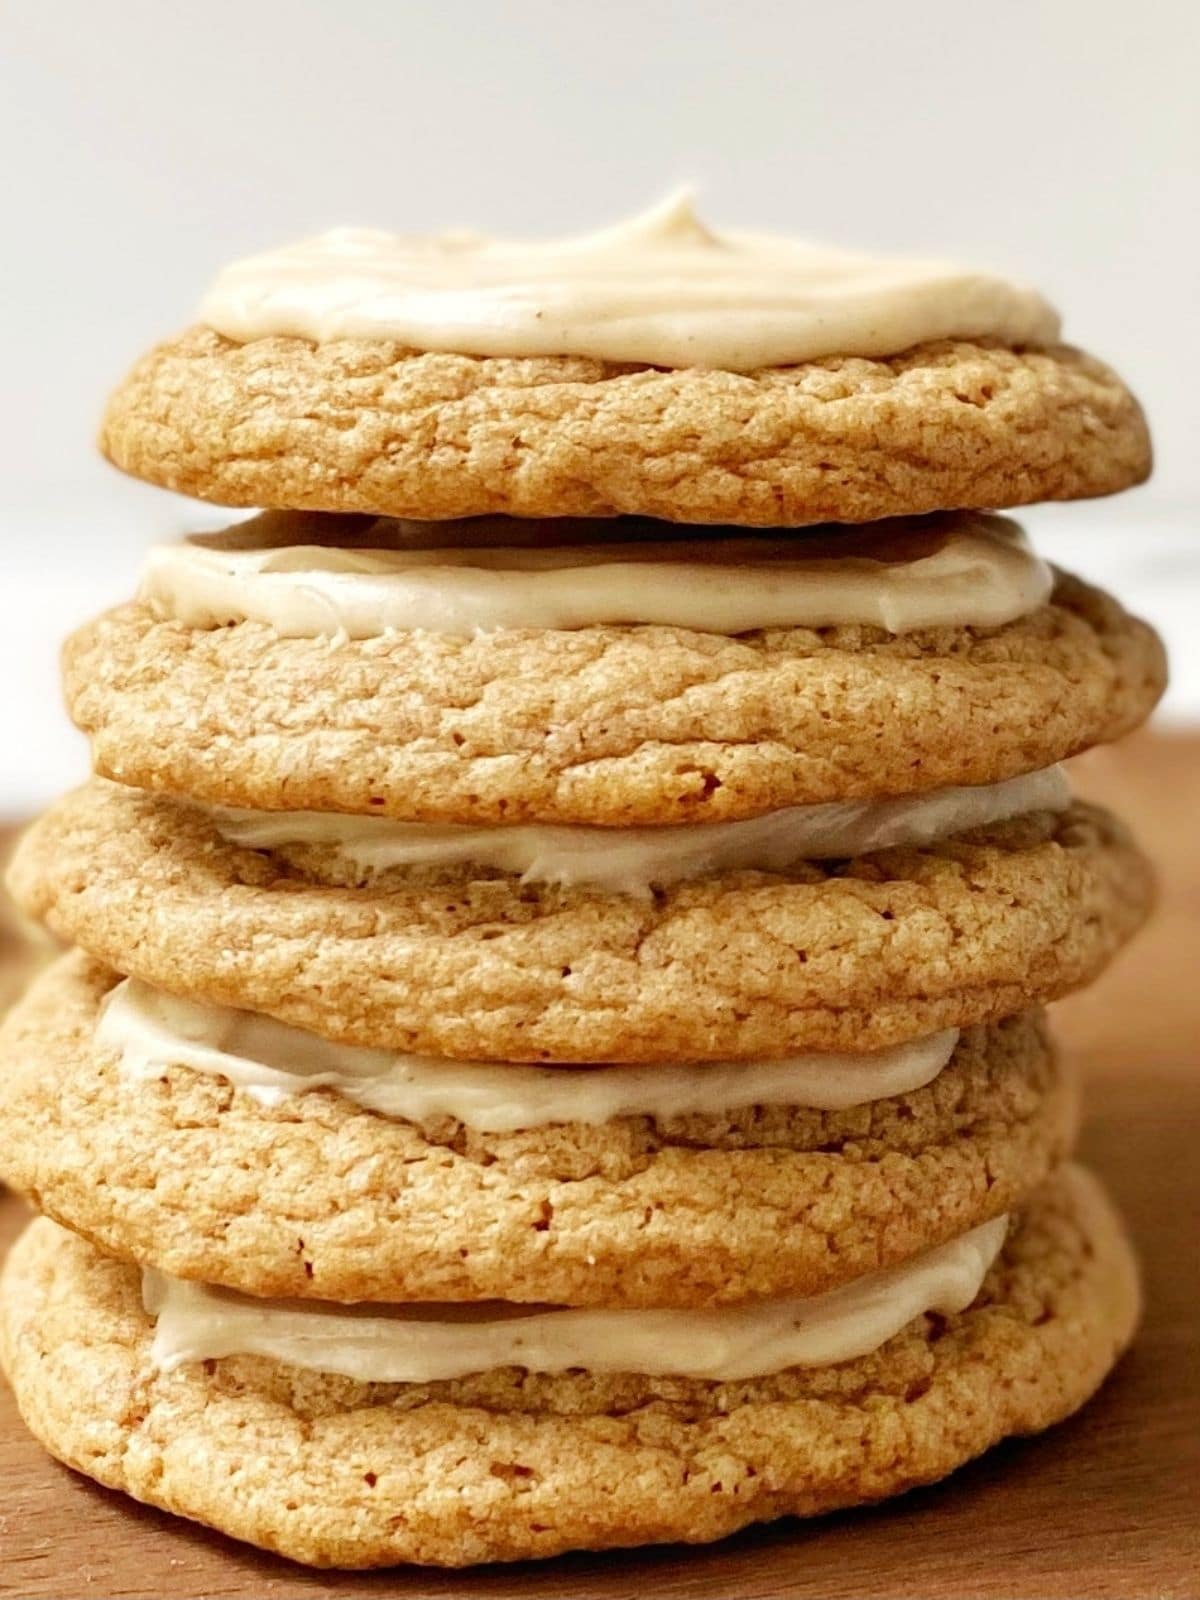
(660, 289)
(670, 224)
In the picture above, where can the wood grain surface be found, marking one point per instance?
(1108, 1505)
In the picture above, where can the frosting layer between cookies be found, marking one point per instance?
(661, 289)
(635, 860)
(153, 1031)
(508, 1466)
(612, 726)
(850, 955)
(321, 1199)
(308, 576)
(422, 1343)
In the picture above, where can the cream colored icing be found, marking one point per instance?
(661, 289)
(424, 1343)
(152, 1031)
(635, 860)
(965, 570)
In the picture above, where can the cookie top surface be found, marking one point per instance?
(846, 955)
(374, 426)
(542, 1464)
(603, 724)
(314, 1196)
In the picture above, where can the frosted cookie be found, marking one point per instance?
(191, 1139)
(313, 662)
(472, 961)
(24, 946)
(655, 369)
(508, 1463)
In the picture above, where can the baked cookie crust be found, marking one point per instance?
(846, 955)
(506, 1465)
(319, 1198)
(370, 426)
(614, 725)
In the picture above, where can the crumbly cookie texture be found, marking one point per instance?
(851, 955)
(370, 426)
(609, 725)
(508, 1465)
(317, 1197)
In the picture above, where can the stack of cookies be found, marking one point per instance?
(554, 1054)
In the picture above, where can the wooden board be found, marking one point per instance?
(1106, 1506)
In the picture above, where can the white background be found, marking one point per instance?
(147, 141)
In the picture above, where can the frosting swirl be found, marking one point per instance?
(661, 289)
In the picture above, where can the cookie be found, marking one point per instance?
(367, 425)
(844, 955)
(24, 947)
(608, 725)
(317, 1197)
(507, 1465)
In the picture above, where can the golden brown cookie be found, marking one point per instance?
(851, 955)
(370, 426)
(616, 725)
(24, 946)
(507, 1465)
(317, 1197)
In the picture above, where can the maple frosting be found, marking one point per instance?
(425, 1343)
(659, 289)
(152, 1031)
(964, 570)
